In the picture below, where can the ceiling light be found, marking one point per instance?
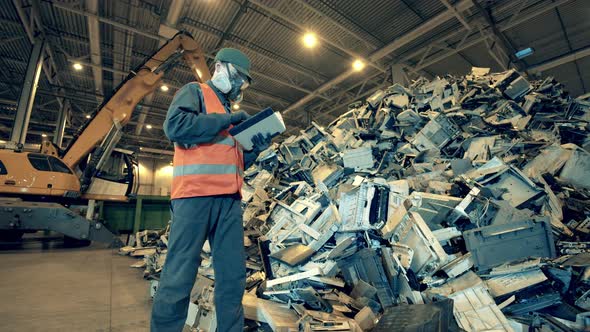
(524, 53)
(171, 164)
(88, 116)
(140, 148)
(310, 40)
(236, 106)
(164, 88)
(43, 135)
(148, 126)
(358, 65)
(78, 66)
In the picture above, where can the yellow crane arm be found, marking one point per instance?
(137, 85)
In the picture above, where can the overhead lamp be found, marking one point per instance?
(140, 148)
(149, 126)
(43, 135)
(78, 66)
(524, 53)
(310, 40)
(236, 106)
(88, 116)
(171, 163)
(164, 88)
(358, 65)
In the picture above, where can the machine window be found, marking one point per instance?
(39, 162)
(58, 166)
(3, 170)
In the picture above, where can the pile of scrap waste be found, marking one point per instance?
(459, 203)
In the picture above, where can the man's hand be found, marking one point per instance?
(238, 117)
(261, 142)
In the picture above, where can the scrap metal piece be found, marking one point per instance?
(375, 99)
(475, 310)
(294, 277)
(203, 315)
(322, 321)
(325, 226)
(404, 254)
(479, 148)
(399, 215)
(154, 284)
(358, 159)
(366, 265)
(514, 282)
(584, 301)
(433, 208)
(363, 289)
(528, 264)
(410, 229)
(435, 317)
(285, 219)
(294, 255)
(458, 266)
(463, 282)
(292, 149)
(366, 318)
(279, 316)
(311, 298)
(496, 244)
(327, 174)
(262, 179)
(366, 207)
(576, 169)
(443, 235)
(532, 304)
(308, 207)
(508, 182)
(398, 279)
(512, 85)
(264, 252)
(436, 134)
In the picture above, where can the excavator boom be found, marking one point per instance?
(31, 177)
(118, 109)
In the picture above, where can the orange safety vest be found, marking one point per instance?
(208, 169)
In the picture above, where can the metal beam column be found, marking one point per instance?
(60, 127)
(94, 41)
(560, 60)
(27, 95)
(137, 217)
(172, 17)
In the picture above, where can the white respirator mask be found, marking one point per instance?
(229, 81)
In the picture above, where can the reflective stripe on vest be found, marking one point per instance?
(213, 168)
(204, 169)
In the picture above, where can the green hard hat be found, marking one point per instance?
(236, 58)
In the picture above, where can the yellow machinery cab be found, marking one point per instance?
(29, 173)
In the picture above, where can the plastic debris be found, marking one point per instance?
(455, 196)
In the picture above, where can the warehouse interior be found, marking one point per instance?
(428, 102)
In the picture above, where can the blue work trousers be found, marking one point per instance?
(219, 219)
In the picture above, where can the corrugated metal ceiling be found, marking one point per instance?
(273, 43)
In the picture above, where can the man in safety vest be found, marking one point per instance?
(205, 200)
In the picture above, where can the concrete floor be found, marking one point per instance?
(46, 287)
